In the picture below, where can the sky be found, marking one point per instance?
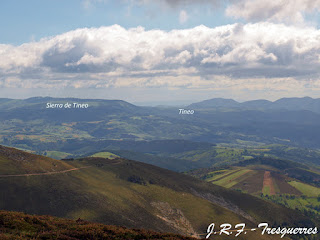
(160, 51)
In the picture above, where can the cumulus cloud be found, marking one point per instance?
(251, 10)
(275, 10)
(115, 56)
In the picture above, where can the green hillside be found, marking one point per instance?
(137, 195)
(13, 161)
(226, 154)
(182, 155)
(174, 164)
(284, 182)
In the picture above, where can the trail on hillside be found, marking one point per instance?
(39, 174)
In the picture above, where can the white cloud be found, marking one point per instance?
(284, 11)
(201, 56)
(183, 16)
(275, 10)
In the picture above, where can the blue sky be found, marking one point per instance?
(24, 21)
(160, 50)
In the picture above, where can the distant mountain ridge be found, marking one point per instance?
(29, 123)
(6, 103)
(305, 103)
(294, 103)
(215, 102)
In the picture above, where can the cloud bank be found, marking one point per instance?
(197, 57)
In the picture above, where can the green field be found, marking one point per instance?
(284, 186)
(108, 155)
(219, 174)
(231, 179)
(266, 190)
(306, 189)
(308, 205)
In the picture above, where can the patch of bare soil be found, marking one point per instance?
(175, 218)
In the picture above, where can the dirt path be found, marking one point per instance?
(267, 182)
(40, 174)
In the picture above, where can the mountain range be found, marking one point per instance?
(28, 124)
(294, 104)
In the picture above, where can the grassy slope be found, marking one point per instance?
(232, 179)
(241, 174)
(219, 156)
(13, 161)
(306, 189)
(98, 195)
(134, 194)
(238, 178)
(243, 178)
(173, 164)
(57, 154)
(288, 191)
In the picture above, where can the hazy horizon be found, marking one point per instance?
(164, 103)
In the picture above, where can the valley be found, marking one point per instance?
(27, 123)
(133, 194)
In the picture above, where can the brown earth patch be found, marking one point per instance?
(174, 218)
(284, 187)
(267, 182)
